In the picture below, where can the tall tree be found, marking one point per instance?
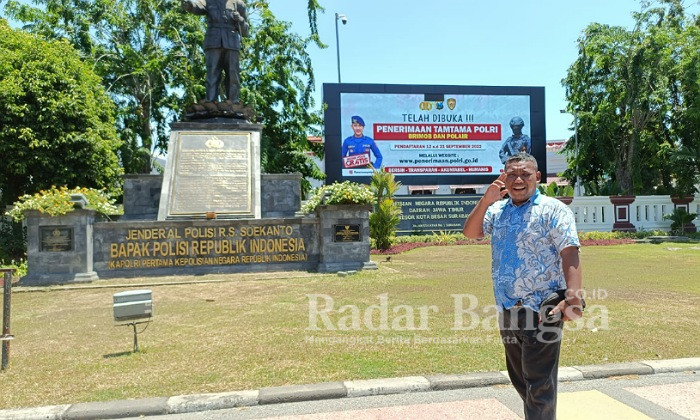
(635, 94)
(278, 81)
(150, 56)
(146, 51)
(56, 122)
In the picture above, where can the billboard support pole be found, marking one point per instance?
(338, 17)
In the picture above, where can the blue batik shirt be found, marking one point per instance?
(526, 242)
(359, 145)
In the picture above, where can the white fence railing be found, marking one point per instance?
(593, 214)
(645, 213)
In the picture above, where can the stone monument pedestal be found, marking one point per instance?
(213, 170)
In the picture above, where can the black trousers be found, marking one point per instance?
(220, 60)
(532, 358)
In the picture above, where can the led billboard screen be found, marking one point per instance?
(430, 134)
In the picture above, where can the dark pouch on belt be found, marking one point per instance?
(550, 302)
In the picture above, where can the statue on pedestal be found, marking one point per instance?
(226, 25)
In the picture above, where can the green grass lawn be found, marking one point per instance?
(250, 331)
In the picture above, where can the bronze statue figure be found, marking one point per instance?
(226, 25)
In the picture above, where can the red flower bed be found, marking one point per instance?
(399, 248)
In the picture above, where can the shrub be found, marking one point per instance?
(57, 122)
(56, 202)
(338, 193)
(20, 267)
(386, 216)
(448, 238)
(383, 222)
(680, 220)
(554, 190)
(442, 237)
(13, 243)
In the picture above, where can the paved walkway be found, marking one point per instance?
(490, 396)
(675, 399)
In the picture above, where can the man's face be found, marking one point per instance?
(517, 129)
(357, 129)
(521, 181)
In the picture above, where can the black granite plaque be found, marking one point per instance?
(347, 233)
(55, 239)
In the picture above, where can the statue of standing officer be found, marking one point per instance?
(226, 24)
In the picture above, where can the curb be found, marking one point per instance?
(329, 390)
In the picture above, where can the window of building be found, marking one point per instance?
(464, 189)
(422, 189)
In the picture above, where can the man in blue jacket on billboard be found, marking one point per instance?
(360, 146)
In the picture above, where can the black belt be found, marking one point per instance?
(518, 305)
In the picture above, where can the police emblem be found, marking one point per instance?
(451, 103)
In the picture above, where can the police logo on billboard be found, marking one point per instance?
(439, 105)
(425, 106)
(451, 103)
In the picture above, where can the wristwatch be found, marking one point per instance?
(582, 307)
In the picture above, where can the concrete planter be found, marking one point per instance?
(59, 248)
(566, 200)
(344, 238)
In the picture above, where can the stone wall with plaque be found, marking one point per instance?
(205, 246)
(212, 167)
(59, 249)
(74, 247)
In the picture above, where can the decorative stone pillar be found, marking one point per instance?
(621, 204)
(141, 196)
(344, 237)
(280, 194)
(59, 248)
(684, 203)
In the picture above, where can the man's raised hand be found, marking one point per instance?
(496, 190)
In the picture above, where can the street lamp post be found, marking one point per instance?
(578, 181)
(344, 19)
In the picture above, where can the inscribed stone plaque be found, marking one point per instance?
(211, 172)
(347, 233)
(422, 214)
(55, 239)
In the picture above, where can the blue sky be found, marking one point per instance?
(457, 42)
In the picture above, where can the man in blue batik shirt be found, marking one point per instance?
(359, 144)
(535, 251)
